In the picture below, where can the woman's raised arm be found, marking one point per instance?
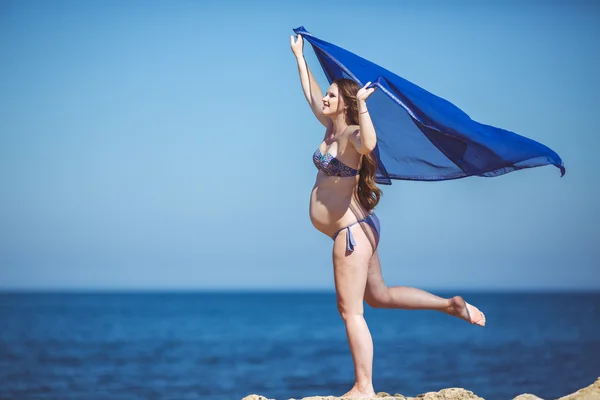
(310, 87)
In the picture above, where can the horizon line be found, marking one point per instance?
(284, 290)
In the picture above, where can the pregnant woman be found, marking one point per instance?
(341, 206)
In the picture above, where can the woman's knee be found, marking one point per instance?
(380, 299)
(347, 312)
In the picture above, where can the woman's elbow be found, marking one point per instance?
(369, 147)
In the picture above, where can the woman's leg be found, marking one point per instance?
(350, 274)
(378, 295)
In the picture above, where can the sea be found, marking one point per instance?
(282, 345)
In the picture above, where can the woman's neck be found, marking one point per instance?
(338, 124)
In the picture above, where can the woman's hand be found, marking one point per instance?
(297, 45)
(363, 93)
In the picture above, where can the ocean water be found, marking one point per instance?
(129, 346)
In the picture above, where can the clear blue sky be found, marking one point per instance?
(167, 145)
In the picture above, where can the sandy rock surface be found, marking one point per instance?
(591, 392)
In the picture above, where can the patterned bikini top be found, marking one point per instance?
(331, 165)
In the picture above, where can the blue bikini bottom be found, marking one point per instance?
(371, 219)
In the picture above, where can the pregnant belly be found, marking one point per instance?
(330, 209)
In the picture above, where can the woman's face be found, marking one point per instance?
(332, 102)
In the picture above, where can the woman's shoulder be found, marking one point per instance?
(351, 129)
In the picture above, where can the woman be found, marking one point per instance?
(341, 207)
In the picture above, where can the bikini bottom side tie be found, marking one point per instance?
(371, 219)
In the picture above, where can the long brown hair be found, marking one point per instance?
(368, 192)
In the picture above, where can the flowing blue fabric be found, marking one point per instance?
(423, 137)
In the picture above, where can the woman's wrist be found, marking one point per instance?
(362, 107)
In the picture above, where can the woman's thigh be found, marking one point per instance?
(376, 292)
(351, 267)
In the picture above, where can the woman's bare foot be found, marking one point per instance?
(356, 393)
(461, 309)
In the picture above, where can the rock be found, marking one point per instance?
(385, 396)
(527, 396)
(449, 394)
(591, 392)
(321, 398)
